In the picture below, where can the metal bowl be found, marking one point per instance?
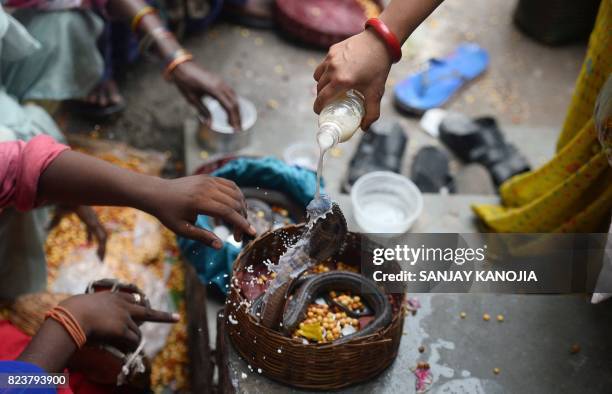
(220, 137)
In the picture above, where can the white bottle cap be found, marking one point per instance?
(328, 135)
(325, 141)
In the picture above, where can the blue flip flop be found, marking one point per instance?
(435, 85)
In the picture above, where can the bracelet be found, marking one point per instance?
(145, 43)
(391, 41)
(179, 57)
(67, 320)
(144, 11)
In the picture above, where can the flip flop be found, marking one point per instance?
(430, 171)
(95, 111)
(380, 149)
(481, 141)
(434, 86)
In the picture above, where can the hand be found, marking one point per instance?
(113, 318)
(178, 202)
(89, 217)
(360, 62)
(195, 82)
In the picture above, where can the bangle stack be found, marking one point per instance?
(137, 19)
(160, 32)
(65, 318)
(179, 57)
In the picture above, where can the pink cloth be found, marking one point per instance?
(21, 164)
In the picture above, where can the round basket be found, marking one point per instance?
(324, 366)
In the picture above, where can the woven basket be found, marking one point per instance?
(313, 366)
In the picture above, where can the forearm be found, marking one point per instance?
(50, 348)
(79, 179)
(404, 16)
(127, 9)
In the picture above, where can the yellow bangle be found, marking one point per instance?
(177, 61)
(144, 11)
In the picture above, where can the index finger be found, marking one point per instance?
(319, 70)
(229, 215)
(141, 313)
(230, 104)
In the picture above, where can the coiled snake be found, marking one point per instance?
(287, 306)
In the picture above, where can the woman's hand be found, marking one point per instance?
(95, 229)
(178, 202)
(360, 62)
(113, 318)
(194, 82)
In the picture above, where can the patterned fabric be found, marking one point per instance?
(603, 118)
(573, 191)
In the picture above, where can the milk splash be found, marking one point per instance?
(297, 259)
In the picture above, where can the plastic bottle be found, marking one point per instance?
(340, 119)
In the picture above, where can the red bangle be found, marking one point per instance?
(393, 45)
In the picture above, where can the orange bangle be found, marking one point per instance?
(67, 320)
(144, 11)
(73, 329)
(181, 57)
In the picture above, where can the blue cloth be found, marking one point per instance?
(214, 267)
(433, 86)
(26, 369)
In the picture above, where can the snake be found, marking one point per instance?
(312, 286)
(288, 305)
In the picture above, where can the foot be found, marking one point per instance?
(105, 94)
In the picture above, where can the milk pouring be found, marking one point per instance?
(338, 121)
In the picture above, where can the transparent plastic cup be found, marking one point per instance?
(302, 154)
(386, 203)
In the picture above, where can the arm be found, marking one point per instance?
(79, 179)
(362, 62)
(191, 80)
(104, 317)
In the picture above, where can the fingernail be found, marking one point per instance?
(252, 230)
(176, 316)
(217, 244)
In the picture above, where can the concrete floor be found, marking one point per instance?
(527, 87)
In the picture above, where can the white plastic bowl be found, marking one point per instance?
(386, 203)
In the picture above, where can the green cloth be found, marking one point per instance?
(52, 56)
(45, 55)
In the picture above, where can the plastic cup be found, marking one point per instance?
(302, 154)
(386, 203)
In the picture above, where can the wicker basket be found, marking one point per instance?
(313, 366)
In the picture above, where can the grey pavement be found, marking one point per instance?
(527, 87)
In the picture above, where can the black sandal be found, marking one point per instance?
(430, 171)
(381, 148)
(481, 141)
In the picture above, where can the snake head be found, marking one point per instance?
(327, 234)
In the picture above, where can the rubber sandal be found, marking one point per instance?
(94, 111)
(443, 78)
(380, 149)
(478, 140)
(430, 171)
(513, 164)
(481, 141)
